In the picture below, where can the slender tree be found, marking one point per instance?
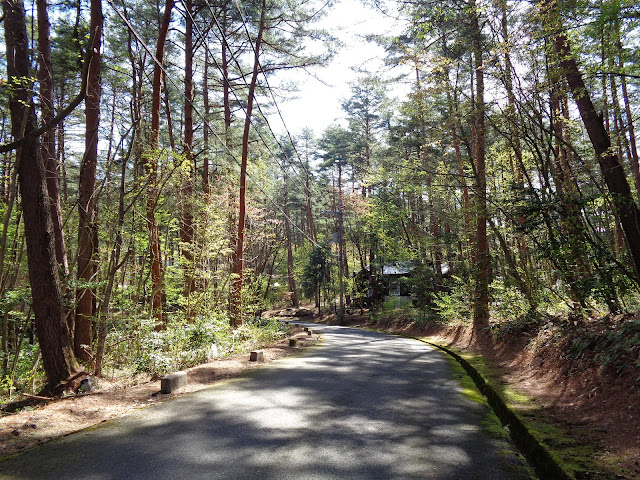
(45, 78)
(238, 258)
(186, 191)
(157, 276)
(293, 291)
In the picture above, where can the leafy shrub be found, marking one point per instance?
(181, 344)
(25, 377)
(454, 304)
(507, 301)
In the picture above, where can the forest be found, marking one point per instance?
(150, 210)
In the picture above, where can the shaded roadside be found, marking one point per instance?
(46, 420)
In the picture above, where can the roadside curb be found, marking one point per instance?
(538, 456)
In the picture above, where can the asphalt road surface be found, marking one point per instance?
(361, 405)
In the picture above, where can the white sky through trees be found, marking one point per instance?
(317, 103)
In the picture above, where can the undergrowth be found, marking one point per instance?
(615, 345)
(134, 347)
(185, 344)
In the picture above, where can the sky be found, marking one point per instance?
(318, 101)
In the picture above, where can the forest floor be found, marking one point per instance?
(112, 398)
(577, 384)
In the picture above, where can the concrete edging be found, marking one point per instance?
(539, 457)
(175, 381)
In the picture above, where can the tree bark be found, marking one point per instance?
(51, 329)
(293, 292)
(483, 259)
(45, 77)
(186, 190)
(205, 131)
(226, 85)
(238, 260)
(87, 247)
(633, 157)
(157, 289)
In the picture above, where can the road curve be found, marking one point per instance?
(361, 405)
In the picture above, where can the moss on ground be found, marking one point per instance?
(511, 458)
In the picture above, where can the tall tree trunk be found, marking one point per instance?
(45, 77)
(186, 191)
(483, 260)
(51, 329)
(114, 265)
(514, 133)
(567, 193)
(205, 131)
(87, 247)
(226, 82)
(311, 227)
(466, 197)
(633, 159)
(341, 249)
(610, 166)
(293, 292)
(167, 111)
(61, 159)
(157, 292)
(238, 257)
(434, 226)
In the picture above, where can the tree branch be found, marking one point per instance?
(7, 147)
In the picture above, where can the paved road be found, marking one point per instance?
(361, 405)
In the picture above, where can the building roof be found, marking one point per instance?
(398, 268)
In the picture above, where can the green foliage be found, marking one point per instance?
(183, 344)
(421, 284)
(316, 272)
(177, 346)
(7, 388)
(26, 376)
(508, 302)
(615, 346)
(254, 287)
(394, 310)
(454, 304)
(12, 298)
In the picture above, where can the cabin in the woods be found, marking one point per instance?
(396, 274)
